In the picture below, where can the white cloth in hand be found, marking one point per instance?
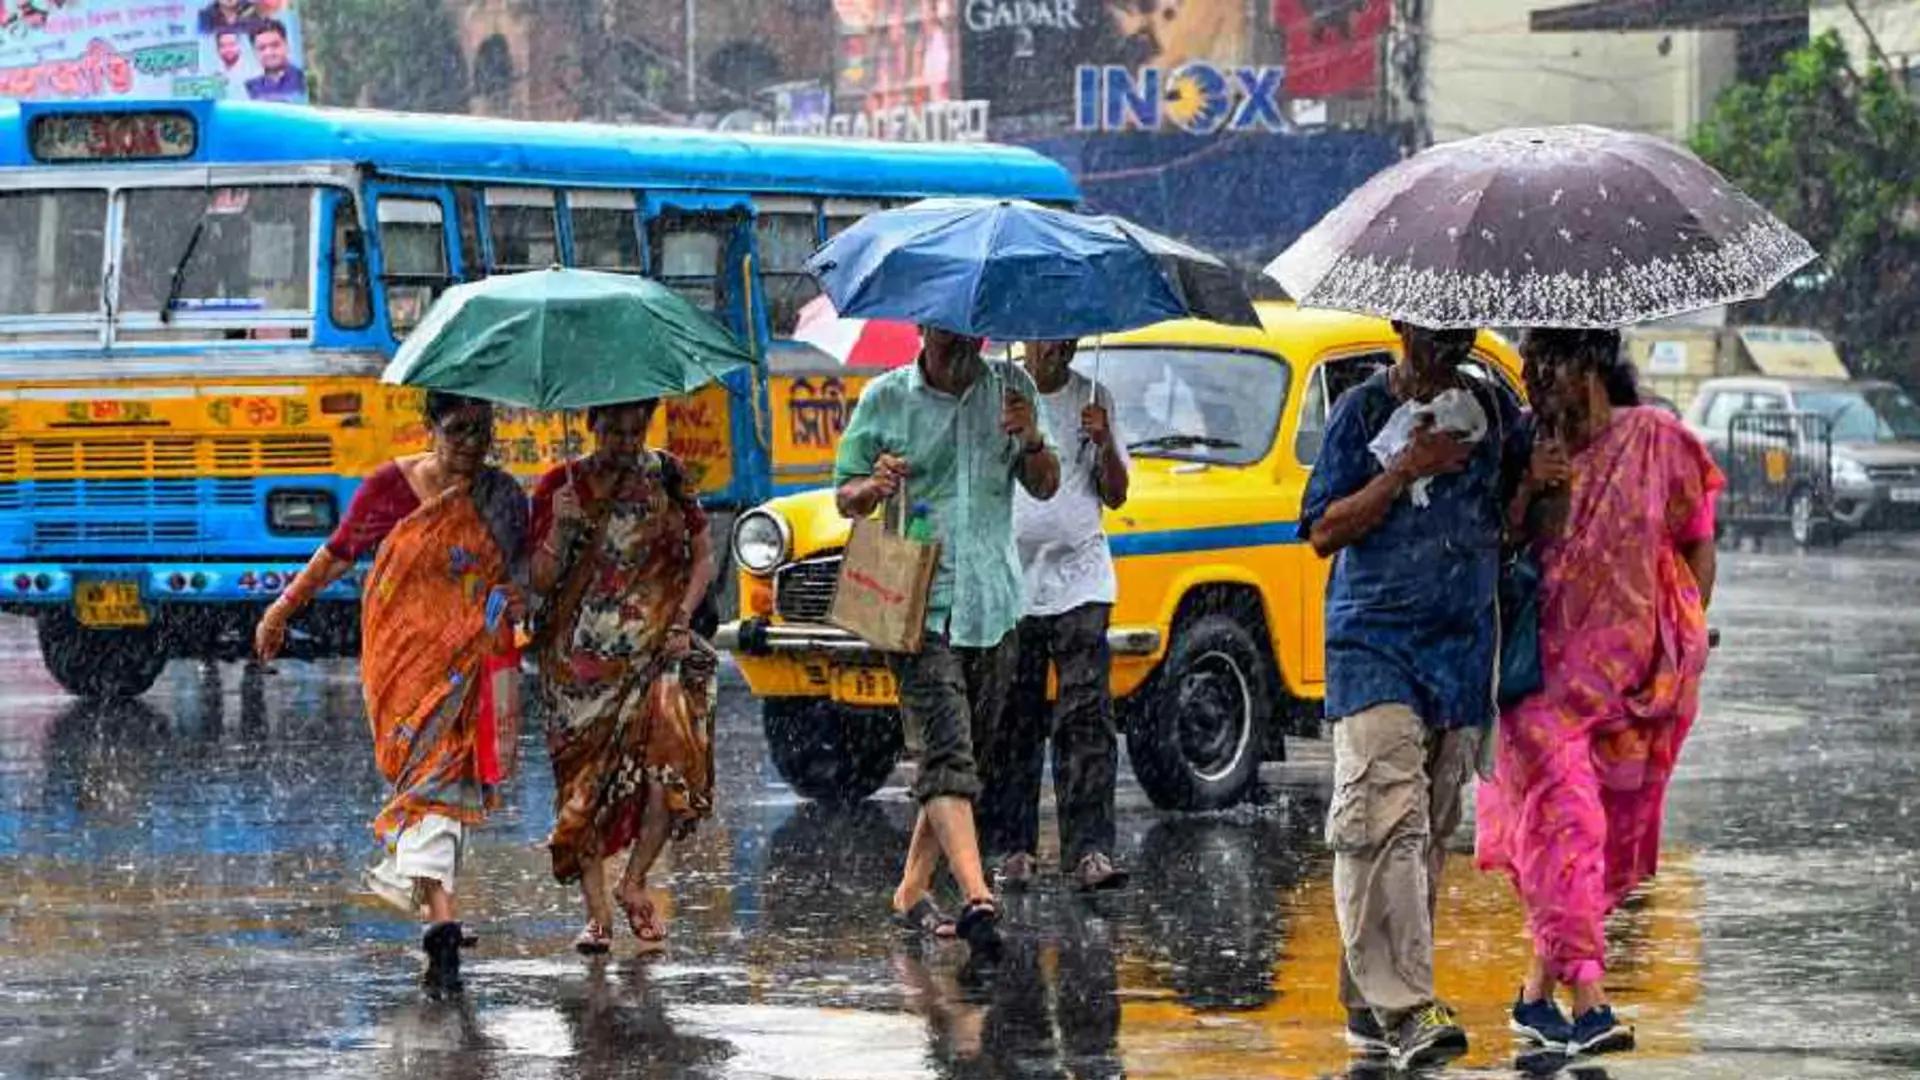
(1455, 411)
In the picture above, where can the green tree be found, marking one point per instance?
(391, 55)
(1834, 150)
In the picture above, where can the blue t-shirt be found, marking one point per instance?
(1410, 607)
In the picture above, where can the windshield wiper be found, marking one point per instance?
(179, 280)
(1180, 441)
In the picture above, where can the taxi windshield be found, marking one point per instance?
(1214, 405)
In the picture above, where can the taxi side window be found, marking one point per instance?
(1329, 381)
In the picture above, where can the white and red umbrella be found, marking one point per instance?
(876, 343)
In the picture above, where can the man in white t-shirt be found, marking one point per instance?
(1070, 590)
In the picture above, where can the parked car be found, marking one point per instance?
(1872, 479)
(1217, 635)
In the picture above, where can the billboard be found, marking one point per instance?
(1022, 55)
(893, 54)
(78, 50)
(1333, 46)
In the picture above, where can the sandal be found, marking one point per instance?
(980, 926)
(645, 923)
(594, 940)
(925, 919)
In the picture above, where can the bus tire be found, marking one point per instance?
(1195, 742)
(100, 664)
(831, 753)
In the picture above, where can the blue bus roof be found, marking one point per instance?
(595, 155)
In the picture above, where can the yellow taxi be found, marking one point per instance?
(1216, 636)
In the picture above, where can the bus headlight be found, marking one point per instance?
(761, 541)
(301, 513)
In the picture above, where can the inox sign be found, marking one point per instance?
(1198, 98)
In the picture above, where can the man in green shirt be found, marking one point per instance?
(960, 432)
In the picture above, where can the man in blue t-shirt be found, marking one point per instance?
(1410, 649)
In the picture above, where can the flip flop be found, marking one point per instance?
(594, 940)
(645, 924)
(979, 926)
(925, 919)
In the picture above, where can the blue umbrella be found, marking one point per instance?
(1001, 269)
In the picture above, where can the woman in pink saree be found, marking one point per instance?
(1572, 813)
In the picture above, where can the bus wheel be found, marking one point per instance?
(100, 663)
(830, 753)
(1196, 743)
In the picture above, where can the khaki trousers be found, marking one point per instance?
(1397, 797)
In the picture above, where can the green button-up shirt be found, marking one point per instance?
(964, 468)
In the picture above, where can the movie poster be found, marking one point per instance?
(1333, 46)
(85, 50)
(894, 53)
(1021, 55)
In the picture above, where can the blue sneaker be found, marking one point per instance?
(1596, 1031)
(1541, 1022)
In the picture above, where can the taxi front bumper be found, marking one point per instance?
(761, 637)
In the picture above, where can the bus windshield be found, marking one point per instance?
(232, 250)
(226, 251)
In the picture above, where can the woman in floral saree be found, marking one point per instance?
(625, 558)
(1572, 814)
(450, 532)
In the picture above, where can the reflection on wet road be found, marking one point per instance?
(177, 898)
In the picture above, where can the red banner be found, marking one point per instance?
(1333, 46)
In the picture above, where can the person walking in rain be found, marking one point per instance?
(959, 433)
(1070, 592)
(1416, 530)
(450, 531)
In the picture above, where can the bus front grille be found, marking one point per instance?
(125, 531)
(164, 457)
(84, 494)
(110, 457)
(276, 453)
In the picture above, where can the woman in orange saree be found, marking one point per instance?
(1572, 813)
(450, 534)
(625, 558)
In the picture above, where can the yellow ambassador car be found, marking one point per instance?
(1217, 634)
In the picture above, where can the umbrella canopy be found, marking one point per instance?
(878, 343)
(1001, 269)
(565, 339)
(1565, 226)
(1207, 287)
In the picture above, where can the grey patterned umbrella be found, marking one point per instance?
(1563, 226)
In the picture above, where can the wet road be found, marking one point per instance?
(178, 899)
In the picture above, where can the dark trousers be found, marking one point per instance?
(951, 699)
(1086, 751)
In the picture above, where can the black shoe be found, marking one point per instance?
(1596, 1031)
(442, 946)
(1428, 1036)
(1365, 1034)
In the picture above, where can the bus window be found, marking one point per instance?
(225, 251)
(52, 248)
(473, 262)
(522, 226)
(606, 231)
(841, 213)
(786, 231)
(686, 257)
(413, 248)
(349, 306)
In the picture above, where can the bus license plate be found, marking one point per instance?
(1906, 495)
(864, 686)
(109, 604)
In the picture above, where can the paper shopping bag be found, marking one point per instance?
(884, 581)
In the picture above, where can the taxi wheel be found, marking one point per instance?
(1196, 743)
(830, 753)
(101, 664)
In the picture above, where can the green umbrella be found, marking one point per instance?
(565, 339)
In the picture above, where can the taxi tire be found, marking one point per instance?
(831, 753)
(100, 664)
(1216, 666)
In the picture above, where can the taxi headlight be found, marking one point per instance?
(761, 541)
